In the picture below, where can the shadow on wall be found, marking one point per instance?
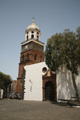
(78, 81)
(65, 89)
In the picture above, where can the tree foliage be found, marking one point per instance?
(78, 33)
(5, 80)
(64, 49)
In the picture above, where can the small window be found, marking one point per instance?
(32, 36)
(35, 57)
(32, 31)
(22, 58)
(27, 32)
(44, 69)
(37, 33)
(37, 37)
(40, 58)
(28, 56)
(30, 88)
(27, 37)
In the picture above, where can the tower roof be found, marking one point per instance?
(33, 26)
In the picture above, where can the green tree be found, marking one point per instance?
(63, 49)
(78, 32)
(5, 81)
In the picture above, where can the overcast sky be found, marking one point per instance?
(51, 16)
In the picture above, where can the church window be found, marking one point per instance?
(28, 56)
(32, 31)
(30, 88)
(37, 33)
(35, 57)
(27, 32)
(40, 58)
(44, 69)
(37, 37)
(22, 58)
(27, 37)
(32, 36)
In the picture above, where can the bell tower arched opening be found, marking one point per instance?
(32, 36)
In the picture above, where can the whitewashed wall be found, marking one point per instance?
(33, 81)
(65, 89)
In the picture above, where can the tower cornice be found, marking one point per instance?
(35, 41)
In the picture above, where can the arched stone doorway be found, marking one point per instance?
(49, 91)
(49, 86)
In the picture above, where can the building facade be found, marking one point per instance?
(40, 83)
(35, 80)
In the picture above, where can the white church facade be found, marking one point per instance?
(33, 81)
(39, 83)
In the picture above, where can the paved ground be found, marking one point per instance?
(28, 110)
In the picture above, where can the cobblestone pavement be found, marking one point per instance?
(34, 110)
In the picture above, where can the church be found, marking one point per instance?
(35, 80)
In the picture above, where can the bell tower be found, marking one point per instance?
(32, 51)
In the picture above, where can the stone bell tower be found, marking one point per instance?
(32, 51)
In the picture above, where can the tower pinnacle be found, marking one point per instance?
(33, 21)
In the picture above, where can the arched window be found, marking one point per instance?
(22, 58)
(32, 36)
(37, 37)
(27, 56)
(32, 31)
(35, 57)
(40, 59)
(27, 37)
